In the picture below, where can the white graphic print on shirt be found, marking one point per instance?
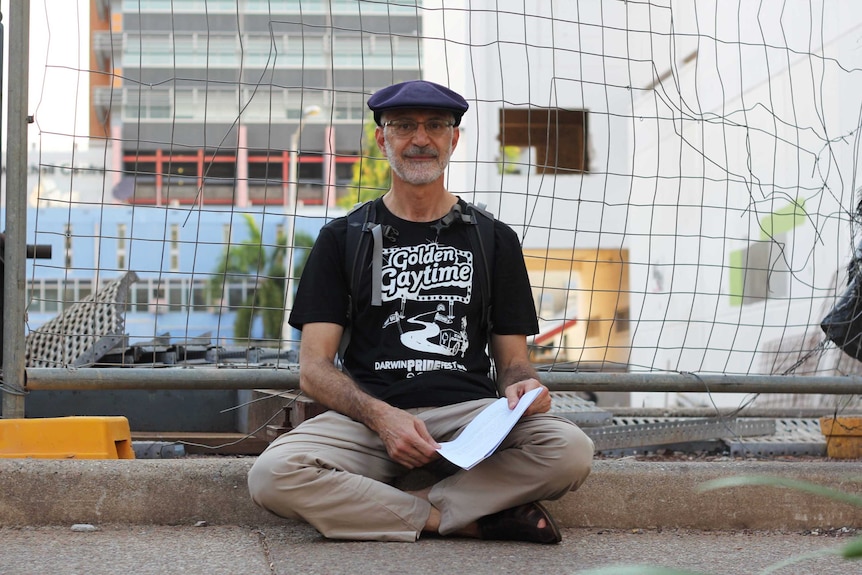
(441, 276)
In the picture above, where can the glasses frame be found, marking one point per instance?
(447, 124)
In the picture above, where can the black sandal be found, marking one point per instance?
(520, 523)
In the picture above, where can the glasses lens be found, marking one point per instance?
(408, 127)
(435, 127)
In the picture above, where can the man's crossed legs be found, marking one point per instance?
(335, 474)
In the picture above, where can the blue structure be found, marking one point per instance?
(175, 252)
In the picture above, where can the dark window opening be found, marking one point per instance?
(141, 168)
(219, 170)
(310, 172)
(343, 172)
(265, 171)
(558, 136)
(180, 168)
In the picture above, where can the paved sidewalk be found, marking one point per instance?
(628, 511)
(293, 549)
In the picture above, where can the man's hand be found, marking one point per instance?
(541, 404)
(406, 438)
(516, 375)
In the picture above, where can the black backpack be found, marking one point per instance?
(364, 233)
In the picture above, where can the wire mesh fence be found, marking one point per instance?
(682, 175)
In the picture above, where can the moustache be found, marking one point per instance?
(420, 151)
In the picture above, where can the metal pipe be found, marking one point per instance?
(16, 210)
(39, 251)
(747, 411)
(52, 378)
(706, 383)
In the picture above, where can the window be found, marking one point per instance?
(760, 271)
(310, 172)
(54, 295)
(175, 247)
(67, 246)
(621, 320)
(176, 295)
(559, 137)
(121, 246)
(236, 294)
(200, 299)
(51, 297)
(152, 104)
(349, 107)
(141, 298)
(261, 172)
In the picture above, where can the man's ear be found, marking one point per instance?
(381, 143)
(456, 133)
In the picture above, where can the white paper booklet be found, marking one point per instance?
(486, 432)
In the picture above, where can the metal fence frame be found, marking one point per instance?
(16, 210)
(48, 378)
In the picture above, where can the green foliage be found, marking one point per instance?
(371, 174)
(852, 550)
(805, 486)
(510, 157)
(250, 258)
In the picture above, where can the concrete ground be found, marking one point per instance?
(145, 512)
(290, 549)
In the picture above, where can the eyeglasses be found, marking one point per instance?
(406, 128)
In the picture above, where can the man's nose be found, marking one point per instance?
(421, 135)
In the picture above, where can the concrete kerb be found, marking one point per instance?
(622, 494)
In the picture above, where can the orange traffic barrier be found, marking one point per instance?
(66, 438)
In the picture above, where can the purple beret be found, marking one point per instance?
(417, 94)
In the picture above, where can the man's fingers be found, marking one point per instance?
(430, 444)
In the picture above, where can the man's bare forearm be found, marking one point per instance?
(324, 383)
(513, 373)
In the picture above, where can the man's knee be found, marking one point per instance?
(272, 481)
(571, 452)
(579, 456)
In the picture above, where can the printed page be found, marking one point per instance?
(485, 433)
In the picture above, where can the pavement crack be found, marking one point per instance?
(264, 544)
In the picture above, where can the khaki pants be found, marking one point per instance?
(335, 474)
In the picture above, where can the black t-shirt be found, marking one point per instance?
(426, 345)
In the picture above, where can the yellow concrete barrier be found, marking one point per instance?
(66, 438)
(843, 436)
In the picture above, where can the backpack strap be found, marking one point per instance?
(482, 242)
(357, 220)
(362, 225)
(355, 248)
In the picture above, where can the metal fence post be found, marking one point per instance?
(16, 210)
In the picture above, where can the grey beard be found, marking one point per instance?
(413, 175)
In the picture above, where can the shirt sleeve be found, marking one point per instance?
(322, 294)
(514, 310)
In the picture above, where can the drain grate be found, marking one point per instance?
(792, 437)
(583, 412)
(636, 432)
